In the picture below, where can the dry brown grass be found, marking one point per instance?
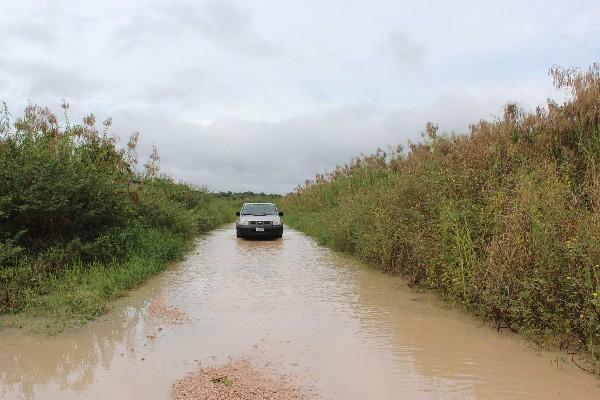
(504, 219)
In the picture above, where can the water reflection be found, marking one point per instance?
(69, 361)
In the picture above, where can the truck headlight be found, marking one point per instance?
(277, 221)
(243, 221)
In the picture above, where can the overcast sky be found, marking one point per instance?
(260, 95)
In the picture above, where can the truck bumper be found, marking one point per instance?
(250, 231)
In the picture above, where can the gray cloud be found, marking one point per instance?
(277, 156)
(45, 82)
(407, 53)
(28, 33)
(49, 80)
(218, 21)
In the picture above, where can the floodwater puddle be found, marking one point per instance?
(333, 327)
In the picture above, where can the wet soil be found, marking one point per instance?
(237, 379)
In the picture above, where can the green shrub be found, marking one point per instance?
(79, 224)
(57, 185)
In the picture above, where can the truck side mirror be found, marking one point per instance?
(237, 213)
(281, 213)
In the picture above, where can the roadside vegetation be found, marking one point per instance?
(80, 223)
(504, 219)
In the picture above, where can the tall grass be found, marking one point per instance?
(79, 223)
(504, 219)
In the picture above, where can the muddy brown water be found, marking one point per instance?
(333, 326)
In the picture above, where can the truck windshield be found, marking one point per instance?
(259, 209)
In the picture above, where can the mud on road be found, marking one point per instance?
(238, 379)
(327, 325)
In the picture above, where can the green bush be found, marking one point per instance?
(79, 224)
(57, 185)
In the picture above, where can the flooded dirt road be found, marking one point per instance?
(336, 328)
